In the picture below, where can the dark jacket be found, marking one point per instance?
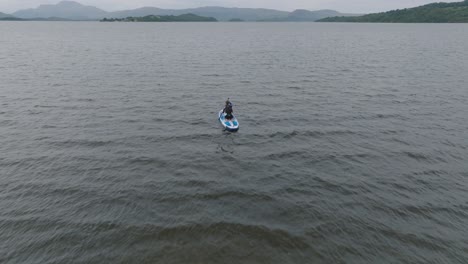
(228, 109)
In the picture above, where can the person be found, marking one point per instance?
(228, 110)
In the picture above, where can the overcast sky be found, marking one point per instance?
(350, 6)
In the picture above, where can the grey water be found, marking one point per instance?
(352, 148)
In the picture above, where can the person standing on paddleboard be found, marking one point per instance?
(228, 110)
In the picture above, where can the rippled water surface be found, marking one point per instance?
(353, 144)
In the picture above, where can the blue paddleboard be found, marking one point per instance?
(230, 125)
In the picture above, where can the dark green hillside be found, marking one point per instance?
(456, 12)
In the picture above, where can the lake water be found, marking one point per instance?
(353, 145)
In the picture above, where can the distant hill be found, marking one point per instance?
(48, 19)
(306, 15)
(301, 15)
(3, 15)
(12, 18)
(228, 14)
(220, 13)
(139, 12)
(76, 11)
(456, 12)
(7, 17)
(153, 18)
(65, 9)
(246, 14)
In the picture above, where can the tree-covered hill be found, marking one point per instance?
(456, 12)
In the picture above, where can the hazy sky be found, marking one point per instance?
(352, 6)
